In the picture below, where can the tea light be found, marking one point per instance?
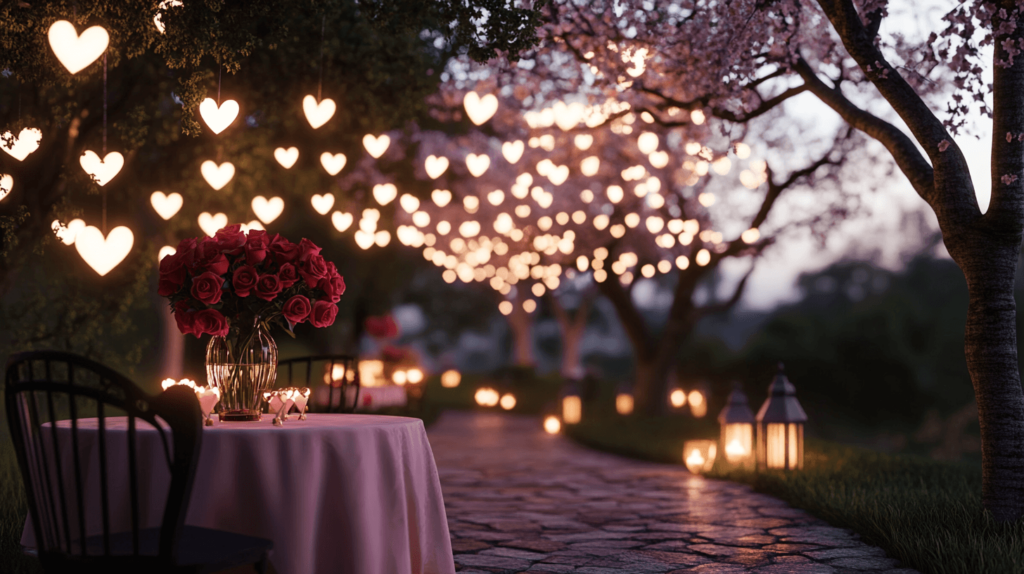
(280, 401)
(208, 396)
(168, 383)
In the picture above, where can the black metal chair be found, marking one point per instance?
(49, 396)
(339, 373)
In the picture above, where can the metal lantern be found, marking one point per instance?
(780, 426)
(737, 422)
(572, 404)
(624, 400)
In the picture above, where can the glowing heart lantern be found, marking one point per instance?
(19, 147)
(74, 51)
(333, 163)
(376, 146)
(477, 164)
(6, 185)
(322, 203)
(267, 209)
(210, 224)
(409, 203)
(318, 114)
(217, 175)
(441, 197)
(102, 170)
(480, 109)
(385, 193)
(218, 118)
(512, 150)
(166, 206)
(238, 286)
(286, 157)
(435, 166)
(341, 221)
(67, 233)
(104, 253)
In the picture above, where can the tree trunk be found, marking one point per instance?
(572, 330)
(990, 343)
(173, 360)
(521, 324)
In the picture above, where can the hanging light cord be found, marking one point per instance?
(320, 84)
(220, 73)
(103, 190)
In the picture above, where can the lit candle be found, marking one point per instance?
(301, 398)
(695, 462)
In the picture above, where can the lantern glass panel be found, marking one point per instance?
(572, 409)
(699, 455)
(738, 440)
(794, 458)
(775, 447)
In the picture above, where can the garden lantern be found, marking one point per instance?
(737, 422)
(780, 426)
(624, 400)
(699, 455)
(572, 405)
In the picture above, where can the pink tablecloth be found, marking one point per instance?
(336, 493)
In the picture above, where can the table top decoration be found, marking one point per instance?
(208, 396)
(235, 286)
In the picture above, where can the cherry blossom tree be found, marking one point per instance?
(746, 59)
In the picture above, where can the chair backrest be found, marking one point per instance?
(333, 380)
(49, 395)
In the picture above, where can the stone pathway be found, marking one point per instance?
(519, 500)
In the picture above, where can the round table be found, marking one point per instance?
(335, 493)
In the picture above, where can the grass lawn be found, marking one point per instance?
(926, 514)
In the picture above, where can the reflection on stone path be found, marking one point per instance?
(519, 500)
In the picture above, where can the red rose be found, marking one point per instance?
(313, 269)
(243, 280)
(333, 285)
(288, 275)
(186, 251)
(211, 322)
(284, 251)
(183, 317)
(209, 258)
(307, 249)
(207, 288)
(297, 309)
(173, 268)
(323, 314)
(256, 247)
(230, 239)
(268, 286)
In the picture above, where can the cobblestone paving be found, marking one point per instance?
(519, 500)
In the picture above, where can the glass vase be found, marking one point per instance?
(243, 367)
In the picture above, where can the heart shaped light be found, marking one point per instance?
(333, 163)
(512, 150)
(67, 233)
(322, 203)
(435, 166)
(247, 227)
(376, 146)
(218, 117)
(647, 142)
(217, 175)
(74, 51)
(409, 203)
(158, 18)
(165, 251)
(385, 193)
(6, 185)
(559, 174)
(480, 109)
(496, 197)
(441, 197)
(104, 253)
(658, 159)
(318, 114)
(477, 164)
(286, 157)
(166, 205)
(364, 240)
(341, 221)
(267, 209)
(211, 223)
(584, 141)
(102, 170)
(26, 143)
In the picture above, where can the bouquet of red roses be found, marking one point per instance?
(232, 281)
